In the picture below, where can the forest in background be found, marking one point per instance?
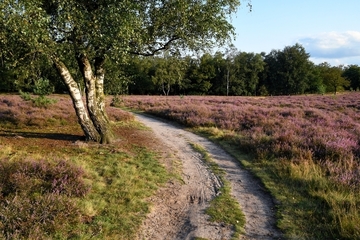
(234, 73)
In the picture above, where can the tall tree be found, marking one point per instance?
(199, 73)
(352, 73)
(139, 71)
(220, 81)
(169, 70)
(316, 84)
(332, 77)
(288, 70)
(247, 67)
(93, 31)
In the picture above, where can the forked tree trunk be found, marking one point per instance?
(95, 97)
(166, 90)
(85, 122)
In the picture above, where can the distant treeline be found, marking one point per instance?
(280, 72)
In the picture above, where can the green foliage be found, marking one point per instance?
(169, 71)
(332, 78)
(198, 75)
(316, 84)
(26, 96)
(219, 82)
(117, 101)
(43, 87)
(244, 73)
(114, 28)
(287, 70)
(139, 72)
(6, 81)
(239, 73)
(263, 91)
(33, 33)
(40, 101)
(352, 74)
(321, 89)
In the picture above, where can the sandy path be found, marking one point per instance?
(178, 209)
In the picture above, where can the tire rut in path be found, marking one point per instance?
(178, 209)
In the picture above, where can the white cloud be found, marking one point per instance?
(333, 45)
(337, 61)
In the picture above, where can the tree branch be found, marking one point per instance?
(32, 53)
(154, 51)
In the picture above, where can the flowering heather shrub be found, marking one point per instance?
(15, 112)
(116, 114)
(348, 175)
(37, 197)
(19, 113)
(289, 127)
(25, 218)
(44, 176)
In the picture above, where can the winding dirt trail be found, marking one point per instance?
(178, 209)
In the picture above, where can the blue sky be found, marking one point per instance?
(328, 29)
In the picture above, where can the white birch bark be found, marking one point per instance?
(80, 109)
(95, 96)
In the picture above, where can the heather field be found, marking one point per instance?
(305, 149)
(53, 185)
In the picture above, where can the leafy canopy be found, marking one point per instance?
(116, 28)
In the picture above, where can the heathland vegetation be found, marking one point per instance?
(53, 185)
(305, 149)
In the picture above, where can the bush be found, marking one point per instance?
(25, 95)
(40, 101)
(117, 101)
(43, 87)
(37, 198)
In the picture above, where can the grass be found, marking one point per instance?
(54, 186)
(223, 208)
(117, 203)
(310, 205)
(305, 149)
(113, 208)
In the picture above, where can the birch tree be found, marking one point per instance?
(93, 31)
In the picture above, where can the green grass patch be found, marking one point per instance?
(50, 204)
(223, 208)
(121, 183)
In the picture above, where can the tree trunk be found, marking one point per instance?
(168, 90)
(95, 97)
(107, 134)
(85, 122)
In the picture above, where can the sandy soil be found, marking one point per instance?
(178, 208)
